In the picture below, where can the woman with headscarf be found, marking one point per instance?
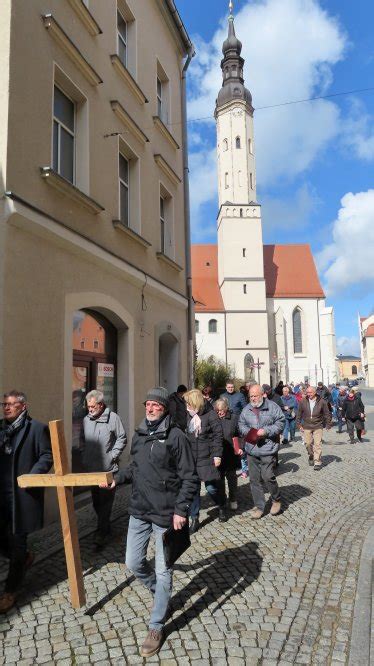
(204, 431)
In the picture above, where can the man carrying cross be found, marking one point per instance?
(25, 448)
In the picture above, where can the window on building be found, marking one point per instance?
(162, 94)
(96, 344)
(82, 344)
(212, 326)
(237, 142)
(244, 251)
(225, 145)
(124, 190)
(197, 326)
(244, 288)
(63, 135)
(226, 181)
(159, 98)
(122, 38)
(250, 146)
(162, 224)
(251, 181)
(354, 369)
(249, 372)
(297, 332)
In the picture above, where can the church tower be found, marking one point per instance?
(240, 245)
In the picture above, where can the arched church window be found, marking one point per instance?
(249, 372)
(225, 144)
(237, 142)
(212, 326)
(197, 326)
(354, 369)
(244, 288)
(226, 180)
(250, 145)
(297, 332)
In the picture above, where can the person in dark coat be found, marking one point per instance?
(177, 407)
(353, 412)
(279, 388)
(236, 399)
(164, 481)
(25, 448)
(205, 433)
(274, 397)
(339, 408)
(230, 458)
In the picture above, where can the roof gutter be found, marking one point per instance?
(180, 26)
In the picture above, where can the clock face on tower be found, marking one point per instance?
(237, 112)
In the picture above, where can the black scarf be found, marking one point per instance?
(9, 429)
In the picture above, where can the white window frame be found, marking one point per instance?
(162, 94)
(68, 130)
(125, 41)
(134, 185)
(167, 242)
(162, 224)
(122, 183)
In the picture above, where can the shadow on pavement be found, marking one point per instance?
(223, 575)
(327, 460)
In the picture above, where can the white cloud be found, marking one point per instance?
(290, 48)
(348, 260)
(348, 345)
(291, 213)
(203, 188)
(358, 132)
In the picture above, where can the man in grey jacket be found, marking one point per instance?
(260, 424)
(105, 438)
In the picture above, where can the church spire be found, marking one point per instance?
(232, 68)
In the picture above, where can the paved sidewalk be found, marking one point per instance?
(277, 591)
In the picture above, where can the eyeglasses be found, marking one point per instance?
(9, 404)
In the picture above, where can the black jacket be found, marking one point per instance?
(230, 460)
(353, 408)
(162, 473)
(207, 445)
(178, 410)
(32, 455)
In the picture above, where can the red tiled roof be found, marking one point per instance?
(206, 293)
(290, 272)
(369, 333)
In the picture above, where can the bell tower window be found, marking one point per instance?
(238, 142)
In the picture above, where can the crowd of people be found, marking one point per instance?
(185, 439)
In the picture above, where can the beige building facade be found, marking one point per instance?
(94, 229)
(366, 331)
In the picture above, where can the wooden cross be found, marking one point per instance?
(64, 482)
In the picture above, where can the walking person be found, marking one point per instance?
(313, 415)
(236, 401)
(339, 408)
(104, 441)
(177, 407)
(260, 424)
(164, 481)
(25, 448)
(290, 407)
(230, 458)
(204, 431)
(353, 412)
(269, 393)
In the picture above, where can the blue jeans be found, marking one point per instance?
(216, 490)
(159, 580)
(289, 429)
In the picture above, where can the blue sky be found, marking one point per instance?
(315, 161)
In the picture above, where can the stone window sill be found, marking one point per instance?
(131, 234)
(128, 78)
(164, 258)
(86, 17)
(165, 132)
(68, 189)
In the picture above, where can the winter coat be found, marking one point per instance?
(207, 445)
(275, 398)
(324, 393)
(104, 440)
(230, 460)
(162, 473)
(32, 455)
(352, 410)
(271, 418)
(292, 405)
(236, 401)
(321, 417)
(178, 410)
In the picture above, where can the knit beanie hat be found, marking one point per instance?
(159, 394)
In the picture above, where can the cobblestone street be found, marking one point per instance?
(277, 591)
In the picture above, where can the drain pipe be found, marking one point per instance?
(187, 226)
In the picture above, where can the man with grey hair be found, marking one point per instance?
(260, 423)
(313, 415)
(104, 441)
(25, 448)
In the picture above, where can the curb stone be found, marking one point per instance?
(362, 639)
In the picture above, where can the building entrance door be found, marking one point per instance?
(94, 367)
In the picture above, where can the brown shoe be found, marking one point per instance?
(152, 643)
(276, 508)
(256, 513)
(7, 601)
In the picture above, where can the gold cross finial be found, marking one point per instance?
(231, 6)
